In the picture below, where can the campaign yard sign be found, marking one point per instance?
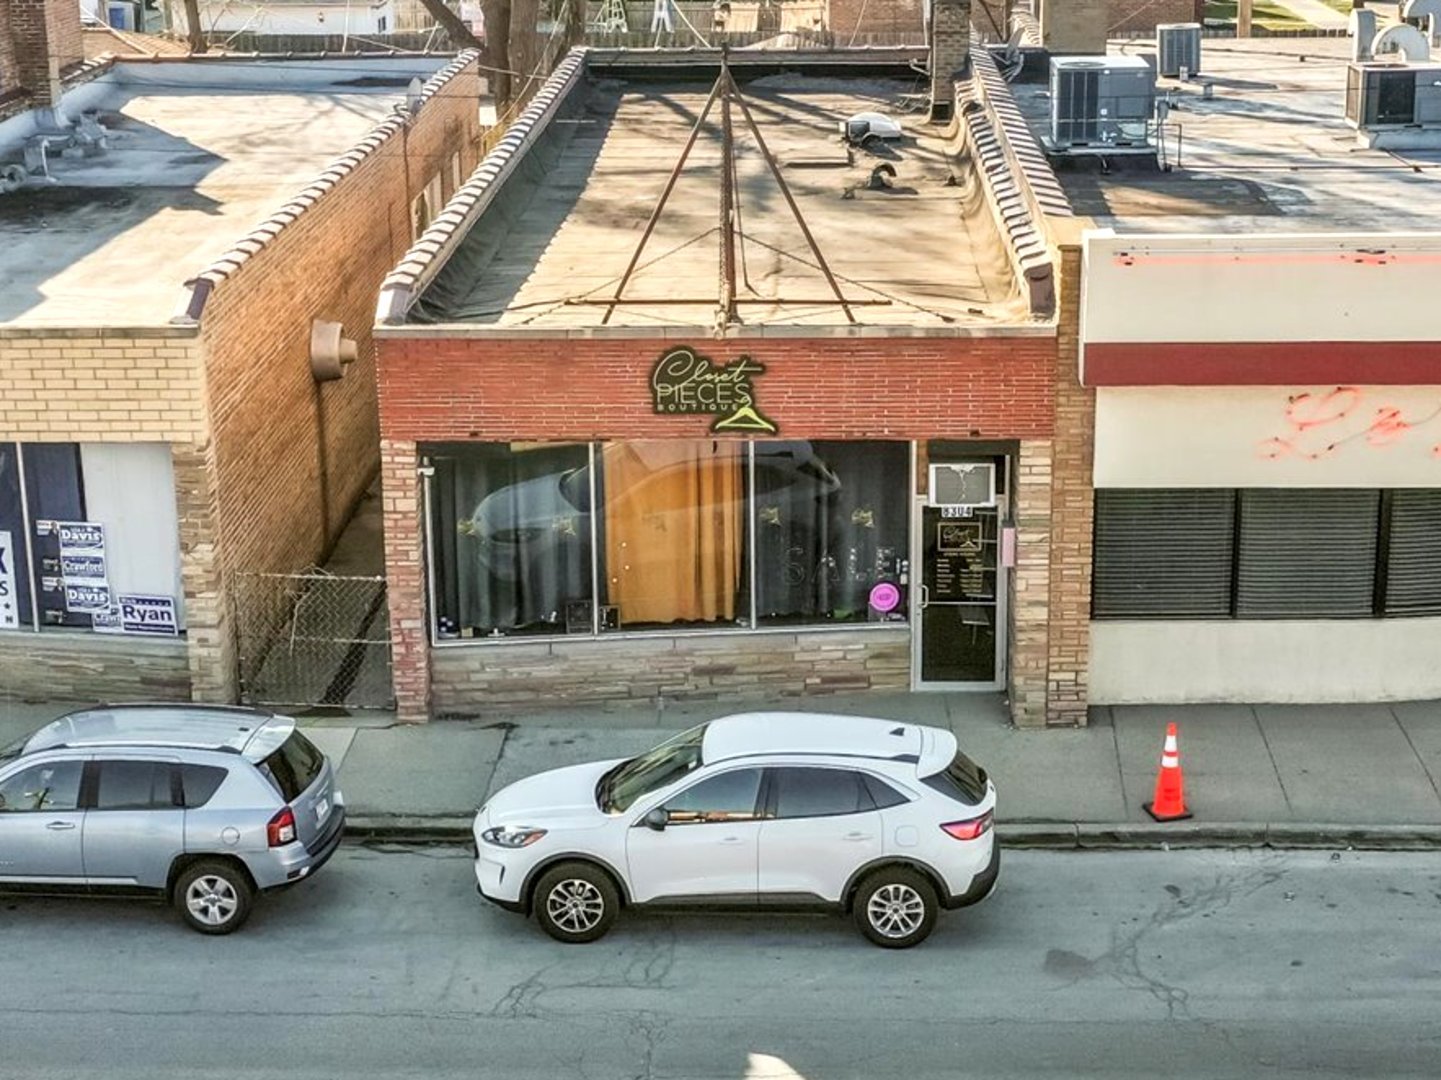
(154, 615)
(9, 597)
(87, 597)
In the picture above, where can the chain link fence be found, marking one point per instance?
(314, 639)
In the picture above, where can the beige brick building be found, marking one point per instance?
(156, 372)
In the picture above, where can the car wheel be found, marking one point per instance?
(896, 908)
(214, 896)
(576, 902)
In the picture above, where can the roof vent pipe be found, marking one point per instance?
(1363, 30)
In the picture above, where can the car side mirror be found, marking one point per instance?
(657, 819)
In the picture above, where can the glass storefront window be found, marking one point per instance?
(831, 525)
(674, 519)
(513, 539)
(526, 540)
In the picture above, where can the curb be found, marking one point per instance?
(1036, 835)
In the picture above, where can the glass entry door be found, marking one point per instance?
(961, 617)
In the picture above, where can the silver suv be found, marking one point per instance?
(203, 806)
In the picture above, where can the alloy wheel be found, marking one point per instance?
(574, 905)
(896, 911)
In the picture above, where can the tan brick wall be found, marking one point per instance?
(91, 667)
(209, 615)
(1030, 585)
(1072, 511)
(865, 17)
(292, 459)
(405, 579)
(471, 680)
(96, 386)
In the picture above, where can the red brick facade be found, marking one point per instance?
(457, 389)
(39, 42)
(990, 387)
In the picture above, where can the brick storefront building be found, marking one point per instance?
(156, 376)
(587, 501)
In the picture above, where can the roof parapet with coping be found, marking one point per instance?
(1019, 185)
(429, 253)
(198, 288)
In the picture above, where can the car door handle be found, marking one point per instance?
(730, 839)
(57, 825)
(857, 836)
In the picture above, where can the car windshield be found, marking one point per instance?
(651, 771)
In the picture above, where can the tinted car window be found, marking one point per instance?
(199, 783)
(54, 785)
(963, 780)
(133, 785)
(294, 766)
(730, 796)
(882, 794)
(802, 792)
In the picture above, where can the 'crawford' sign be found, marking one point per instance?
(683, 381)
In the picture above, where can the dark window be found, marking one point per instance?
(1307, 553)
(133, 785)
(1163, 554)
(831, 525)
(806, 792)
(882, 794)
(14, 572)
(962, 780)
(294, 766)
(54, 785)
(199, 783)
(1413, 579)
(731, 796)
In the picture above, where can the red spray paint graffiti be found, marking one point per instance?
(1320, 424)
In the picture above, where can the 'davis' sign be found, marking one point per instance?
(685, 382)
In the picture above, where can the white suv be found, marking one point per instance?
(880, 818)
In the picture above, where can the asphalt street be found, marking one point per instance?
(1182, 964)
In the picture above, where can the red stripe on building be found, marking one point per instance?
(1261, 363)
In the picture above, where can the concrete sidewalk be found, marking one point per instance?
(1277, 775)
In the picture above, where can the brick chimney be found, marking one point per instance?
(950, 40)
(45, 42)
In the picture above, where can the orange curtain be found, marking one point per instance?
(674, 520)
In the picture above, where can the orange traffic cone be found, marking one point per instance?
(1169, 803)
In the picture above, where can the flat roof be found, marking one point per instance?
(199, 153)
(561, 231)
(1269, 151)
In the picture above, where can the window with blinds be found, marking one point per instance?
(1163, 554)
(1413, 569)
(1307, 553)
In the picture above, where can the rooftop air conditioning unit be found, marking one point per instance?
(963, 486)
(1178, 49)
(1382, 97)
(1101, 103)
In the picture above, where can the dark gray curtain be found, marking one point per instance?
(831, 523)
(512, 538)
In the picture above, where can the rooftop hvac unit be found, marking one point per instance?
(963, 486)
(1178, 49)
(1101, 103)
(1388, 96)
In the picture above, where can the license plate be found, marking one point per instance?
(322, 808)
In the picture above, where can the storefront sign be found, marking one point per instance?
(9, 598)
(685, 382)
(885, 598)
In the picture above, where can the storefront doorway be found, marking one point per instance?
(959, 632)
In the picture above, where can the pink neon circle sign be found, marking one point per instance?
(885, 598)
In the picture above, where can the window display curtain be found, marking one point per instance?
(513, 536)
(674, 530)
(831, 523)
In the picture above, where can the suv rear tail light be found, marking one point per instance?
(969, 829)
(280, 830)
